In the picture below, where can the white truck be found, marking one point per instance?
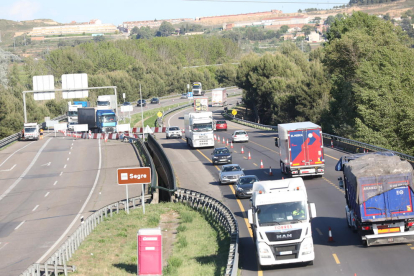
(72, 114)
(219, 97)
(30, 132)
(280, 220)
(197, 89)
(106, 102)
(199, 129)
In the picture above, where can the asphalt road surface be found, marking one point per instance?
(344, 256)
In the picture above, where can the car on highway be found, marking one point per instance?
(155, 100)
(173, 131)
(126, 103)
(240, 136)
(220, 125)
(221, 155)
(184, 96)
(244, 186)
(230, 173)
(142, 103)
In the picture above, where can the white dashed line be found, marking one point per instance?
(64, 166)
(67, 159)
(46, 194)
(60, 173)
(34, 209)
(319, 231)
(54, 183)
(21, 223)
(1, 247)
(69, 152)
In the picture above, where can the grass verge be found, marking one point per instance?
(201, 246)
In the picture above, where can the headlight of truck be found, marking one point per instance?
(307, 246)
(215, 157)
(264, 250)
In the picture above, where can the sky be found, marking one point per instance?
(118, 11)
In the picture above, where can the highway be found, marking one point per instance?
(344, 256)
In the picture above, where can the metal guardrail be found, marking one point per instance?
(222, 214)
(58, 260)
(14, 137)
(329, 140)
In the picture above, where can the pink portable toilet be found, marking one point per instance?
(149, 251)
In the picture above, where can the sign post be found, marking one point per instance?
(128, 176)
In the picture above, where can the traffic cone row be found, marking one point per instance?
(261, 164)
(330, 239)
(231, 144)
(215, 138)
(249, 156)
(227, 144)
(270, 171)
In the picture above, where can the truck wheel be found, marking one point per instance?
(364, 243)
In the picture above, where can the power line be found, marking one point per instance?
(271, 2)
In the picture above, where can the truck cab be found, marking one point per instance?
(280, 218)
(30, 131)
(199, 129)
(106, 121)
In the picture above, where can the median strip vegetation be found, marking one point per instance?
(200, 245)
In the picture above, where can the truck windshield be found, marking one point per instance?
(196, 86)
(72, 113)
(29, 129)
(202, 127)
(102, 103)
(281, 213)
(108, 118)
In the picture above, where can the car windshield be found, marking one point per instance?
(231, 169)
(240, 133)
(108, 118)
(174, 128)
(29, 129)
(220, 122)
(202, 127)
(72, 113)
(280, 213)
(154, 99)
(221, 151)
(247, 180)
(102, 103)
(126, 103)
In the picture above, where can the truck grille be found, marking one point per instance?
(286, 251)
(284, 236)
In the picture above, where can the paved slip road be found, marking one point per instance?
(45, 186)
(345, 256)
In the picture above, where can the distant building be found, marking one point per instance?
(92, 27)
(314, 37)
(288, 36)
(129, 25)
(300, 34)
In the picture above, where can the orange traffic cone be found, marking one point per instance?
(330, 239)
(270, 171)
(106, 137)
(224, 141)
(218, 138)
(231, 144)
(242, 151)
(215, 138)
(249, 156)
(261, 164)
(227, 144)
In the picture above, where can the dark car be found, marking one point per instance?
(126, 103)
(244, 186)
(221, 155)
(155, 101)
(141, 103)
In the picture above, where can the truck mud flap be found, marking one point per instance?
(406, 237)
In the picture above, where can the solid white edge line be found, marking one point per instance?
(18, 226)
(25, 172)
(80, 212)
(34, 209)
(14, 153)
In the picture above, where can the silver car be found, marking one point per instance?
(230, 173)
(173, 131)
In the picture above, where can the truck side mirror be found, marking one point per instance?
(340, 182)
(312, 210)
(250, 216)
(277, 142)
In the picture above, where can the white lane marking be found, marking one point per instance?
(8, 169)
(64, 166)
(47, 164)
(71, 147)
(67, 159)
(25, 172)
(69, 152)
(18, 226)
(76, 219)
(46, 194)
(14, 153)
(60, 173)
(34, 209)
(55, 183)
(3, 245)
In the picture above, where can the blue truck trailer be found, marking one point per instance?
(98, 121)
(379, 197)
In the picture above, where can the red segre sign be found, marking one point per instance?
(141, 175)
